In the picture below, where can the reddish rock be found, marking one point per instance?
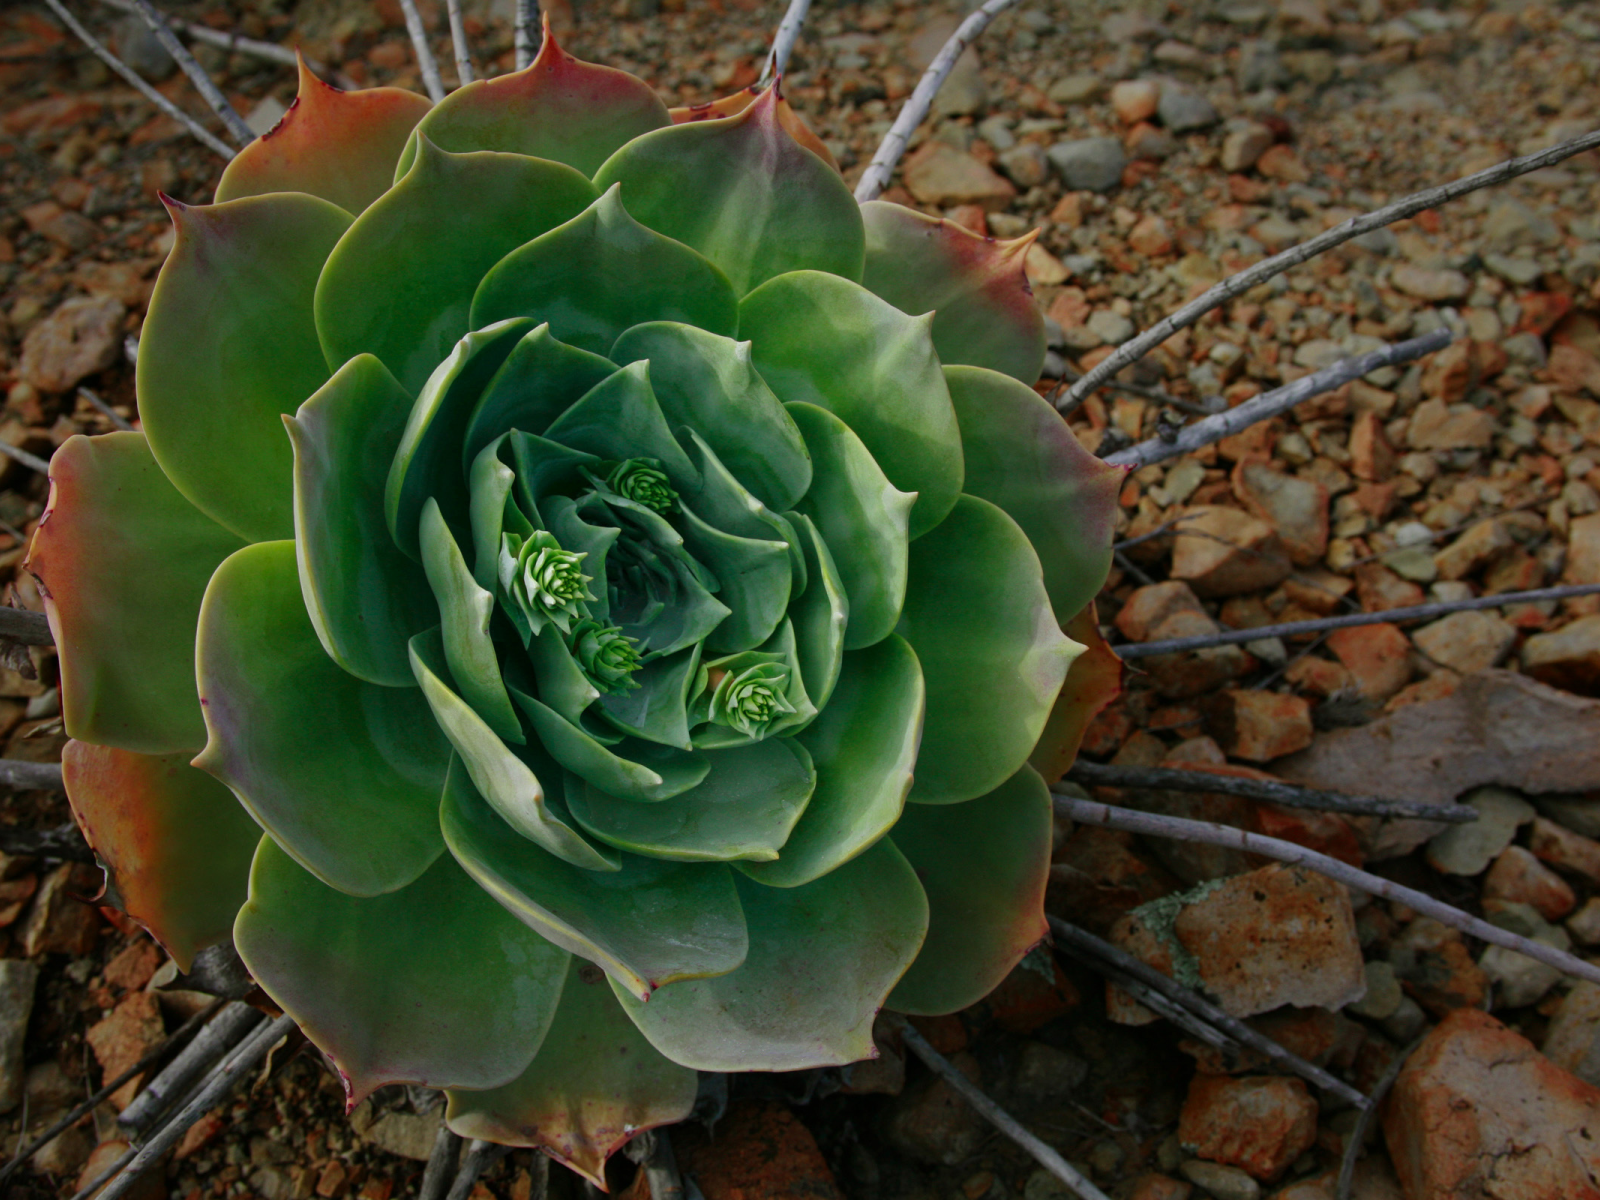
(1135, 100)
(133, 1029)
(1149, 606)
(1182, 674)
(1377, 657)
(59, 922)
(1280, 162)
(1159, 1187)
(1025, 1000)
(1317, 676)
(1567, 851)
(1466, 642)
(132, 967)
(1260, 1123)
(1573, 1040)
(1521, 878)
(1379, 589)
(81, 337)
(1225, 552)
(1259, 725)
(152, 1185)
(1428, 283)
(1478, 1112)
(1312, 1033)
(1150, 237)
(1573, 369)
(1568, 658)
(1371, 456)
(1297, 509)
(1474, 549)
(1438, 426)
(928, 1122)
(1450, 374)
(1099, 875)
(761, 1151)
(940, 175)
(1436, 969)
(1326, 833)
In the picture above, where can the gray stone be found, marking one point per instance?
(1518, 979)
(1259, 67)
(1526, 348)
(997, 132)
(1243, 146)
(1585, 923)
(1573, 1039)
(1111, 326)
(1405, 1022)
(406, 1134)
(1225, 1183)
(1182, 109)
(1468, 849)
(17, 979)
(1511, 223)
(1042, 1074)
(1383, 993)
(1581, 814)
(136, 44)
(1089, 164)
(1025, 165)
(1514, 270)
(1075, 89)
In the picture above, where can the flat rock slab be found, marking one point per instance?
(1498, 727)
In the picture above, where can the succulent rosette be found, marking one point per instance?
(629, 662)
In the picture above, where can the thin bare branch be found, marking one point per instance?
(998, 1117)
(1155, 395)
(1236, 285)
(203, 83)
(1417, 612)
(137, 81)
(236, 43)
(458, 43)
(441, 1164)
(783, 42)
(32, 461)
(878, 172)
(1270, 404)
(64, 843)
(1177, 994)
(43, 776)
(29, 628)
(480, 1155)
(1091, 774)
(231, 1027)
(419, 43)
(111, 414)
(1358, 1135)
(527, 18)
(652, 1150)
(1092, 812)
(217, 1084)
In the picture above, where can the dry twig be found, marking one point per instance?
(1417, 612)
(137, 81)
(1270, 404)
(458, 43)
(480, 1155)
(436, 1177)
(1091, 774)
(523, 35)
(203, 84)
(65, 843)
(1092, 812)
(1236, 285)
(117, 419)
(419, 43)
(29, 628)
(236, 43)
(876, 176)
(232, 1025)
(783, 42)
(1358, 1135)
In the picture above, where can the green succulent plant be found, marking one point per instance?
(631, 660)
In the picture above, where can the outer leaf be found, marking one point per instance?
(426, 465)
(341, 146)
(829, 342)
(649, 923)
(1093, 681)
(707, 383)
(594, 1084)
(820, 615)
(863, 520)
(984, 313)
(744, 193)
(744, 809)
(229, 346)
(601, 273)
(822, 959)
(557, 108)
(864, 744)
(978, 617)
(727, 106)
(174, 842)
(540, 380)
(344, 774)
(1022, 457)
(504, 780)
(434, 984)
(984, 865)
(122, 562)
(365, 598)
(400, 283)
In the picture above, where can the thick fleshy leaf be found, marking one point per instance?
(639, 770)
(1022, 457)
(754, 575)
(820, 614)
(174, 841)
(725, 503)
(650, 923)
(992, 655)
(863, 519)
(230, 346)
(365, 598)
(744, 809)
(984, 313)
(465, 610)
(829, 342)
(122, 562)
(503, 779)
(427, 464)
(557, 108)
(341, 146)
(620, 418)
(434, 984)
(707, 383)
(540, 380)
(344, 774)
(744, 193)
(822, 958)
(658, 708)
(864, 745)
(727, 106)
(400, 283)
(601, 273)
(561, 682)
(1093, 681)
(594, 1084)
(984, 865)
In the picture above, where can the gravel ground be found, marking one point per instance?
(1156, 148)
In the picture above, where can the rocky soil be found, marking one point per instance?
(1157, 147)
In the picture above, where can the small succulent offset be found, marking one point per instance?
(631, 660)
